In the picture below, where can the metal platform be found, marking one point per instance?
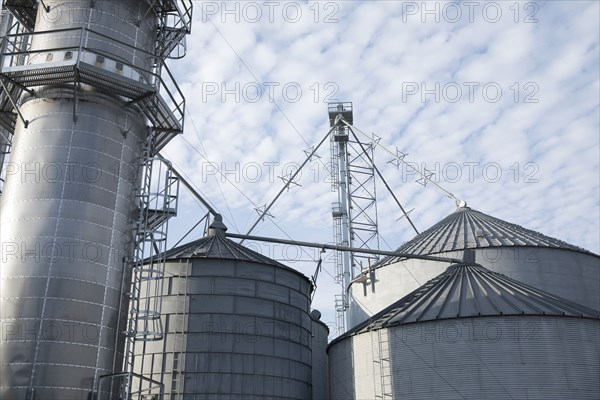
(343, 108)
(157, 95)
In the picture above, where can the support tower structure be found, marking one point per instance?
(355, 212)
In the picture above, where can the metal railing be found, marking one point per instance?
(176, 23)
(60, 64)
(157, 202)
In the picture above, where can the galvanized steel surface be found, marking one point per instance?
(509, 357)
(66, 221)
(470, 229)
(320, 359)
(470, 290)
(471, 334)
(219, 247)
(532, 258)
(235, 328)
(572, 275)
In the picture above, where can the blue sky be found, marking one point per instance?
(500, 99)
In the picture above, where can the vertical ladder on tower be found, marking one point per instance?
(341, 302)
(335, 175)
(179, 331)
(382, 366)
(157, 202)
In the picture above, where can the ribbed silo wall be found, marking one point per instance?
(569, 274)
(519, 357)
(66, 217)
(245, 333)
(320, 361)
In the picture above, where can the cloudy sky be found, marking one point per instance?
(498, 99)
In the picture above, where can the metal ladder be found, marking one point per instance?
(335, 176)
(341, 300)
(382, 366)
(181, 312)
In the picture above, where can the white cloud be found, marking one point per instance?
(369, 57)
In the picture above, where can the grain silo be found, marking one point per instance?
(237, 325)
(474, 334)
(320, 360)
(83, 96)
(546, 263)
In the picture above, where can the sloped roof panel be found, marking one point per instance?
(470, 229)
(470, 290)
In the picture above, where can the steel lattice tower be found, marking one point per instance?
(355, 212)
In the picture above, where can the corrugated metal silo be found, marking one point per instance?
(237, 325)
(546, 263)
(320, 360)
(69, 203)
(474, 334)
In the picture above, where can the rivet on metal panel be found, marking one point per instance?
(68, 55)
(49, 56)
(119, 66)
(99, 59)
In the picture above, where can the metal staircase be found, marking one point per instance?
(154, 91)
(157, 203)
(25, 11)
(176, 23)
(10, 92)
(8, 117)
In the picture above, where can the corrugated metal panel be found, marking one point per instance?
(467, 290)
(68, 211)
(508, 357)
(241, 335)
(342, 371)
(320, 360)
(219, 247)
(470, 229)
(574, 276)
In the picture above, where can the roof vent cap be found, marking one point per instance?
(217, 228)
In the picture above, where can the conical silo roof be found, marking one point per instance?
(470, 290)
(219, 247)
(470, 229)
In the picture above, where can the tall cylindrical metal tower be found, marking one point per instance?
(82, 83)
